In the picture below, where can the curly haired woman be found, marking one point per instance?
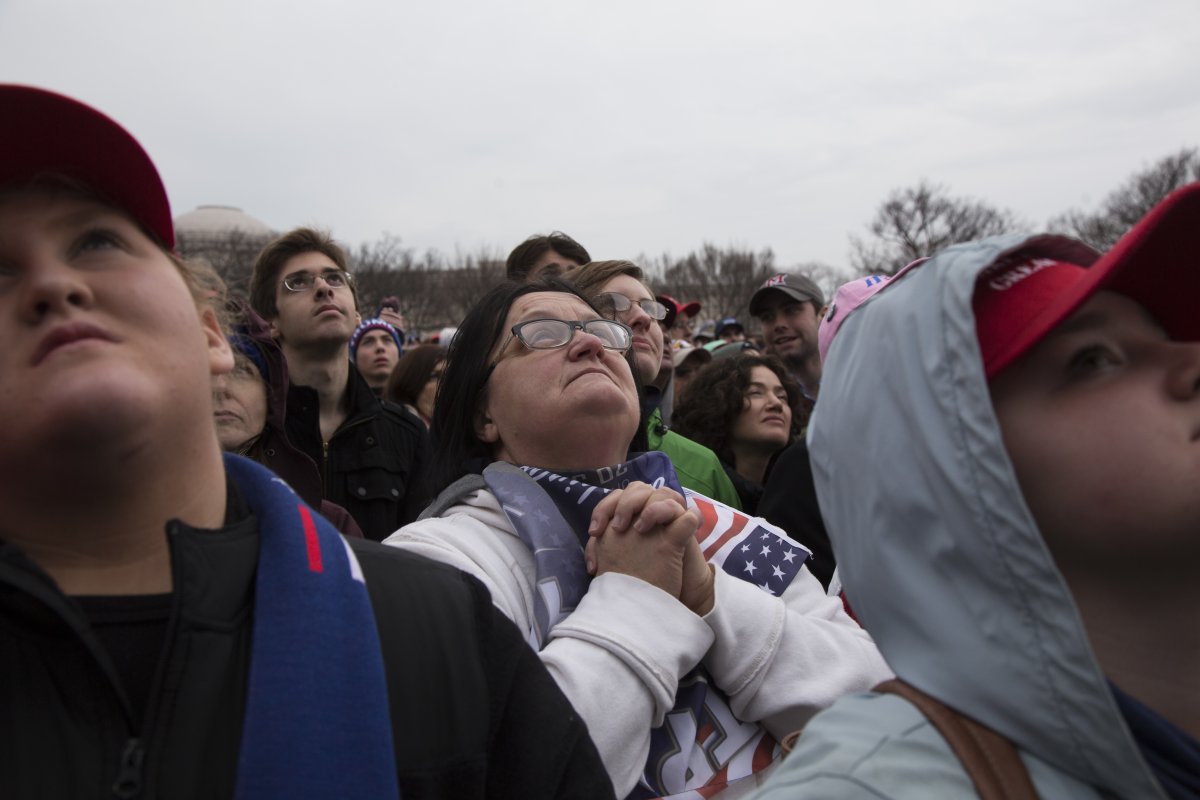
(745, 409)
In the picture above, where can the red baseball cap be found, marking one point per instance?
(686, 309)
(1027, 292)
(47, 133)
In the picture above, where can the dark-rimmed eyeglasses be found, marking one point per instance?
(549, 333)
(612, 303)
(303, 281)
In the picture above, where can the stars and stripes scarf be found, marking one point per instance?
(701, 747)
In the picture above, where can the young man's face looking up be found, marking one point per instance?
(1101, 419)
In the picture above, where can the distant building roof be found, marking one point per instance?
(206, 220)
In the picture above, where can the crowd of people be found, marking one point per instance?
(934, 536)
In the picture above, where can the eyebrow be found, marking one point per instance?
(634, 299)
(541, 313)
(320, 271)
(90, 212)
(1096, 319)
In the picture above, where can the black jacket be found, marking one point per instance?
(374, 465)
(789, 500)
(474, 712)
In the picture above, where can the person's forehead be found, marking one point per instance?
(58, 207)
(376, 334)
(311, 261)
(552, 256)
(561, 305)
(240, 359)
(764, 375)
(629, 286)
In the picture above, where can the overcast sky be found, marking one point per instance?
(643, 127)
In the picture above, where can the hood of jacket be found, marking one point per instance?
(938, 552)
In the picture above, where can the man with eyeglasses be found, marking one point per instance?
(371, 454)
(619, 291)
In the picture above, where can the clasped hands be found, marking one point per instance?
(650, 534)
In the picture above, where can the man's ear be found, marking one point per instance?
(220, 354)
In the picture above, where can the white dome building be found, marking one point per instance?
(216, 220)
(227, 237)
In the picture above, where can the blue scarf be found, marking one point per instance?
(317, 723)
(701, 746)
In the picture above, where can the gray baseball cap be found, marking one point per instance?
(793, 284)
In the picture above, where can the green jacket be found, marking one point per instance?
(698, 468)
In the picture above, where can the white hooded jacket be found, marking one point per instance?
(943, 563)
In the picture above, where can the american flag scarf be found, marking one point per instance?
(701, 747)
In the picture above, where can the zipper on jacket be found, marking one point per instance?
(324, 469)
(129, 772)
(325, 452)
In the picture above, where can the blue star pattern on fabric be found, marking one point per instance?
(746, 547)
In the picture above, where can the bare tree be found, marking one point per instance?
(921, 220)
(473, 275)
(1131, 201)
(434, 292)
(231, 253)
(722, 279)
(828, 277)
(385, 268)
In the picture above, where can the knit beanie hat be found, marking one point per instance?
(371, 324)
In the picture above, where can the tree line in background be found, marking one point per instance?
(436, 290)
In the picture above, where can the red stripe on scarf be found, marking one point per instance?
(708, 517)
(735, 527)
(310, 539)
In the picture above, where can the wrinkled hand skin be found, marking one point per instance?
(650, 534)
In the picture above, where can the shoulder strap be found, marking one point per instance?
(989, 759)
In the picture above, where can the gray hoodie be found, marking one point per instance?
(943, 563)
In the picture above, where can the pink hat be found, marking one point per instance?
(850, 296)
(47, 133)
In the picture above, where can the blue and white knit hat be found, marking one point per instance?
(369, 324)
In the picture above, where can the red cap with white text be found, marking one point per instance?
(1021, 297)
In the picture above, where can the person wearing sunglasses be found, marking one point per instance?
(620, 291)
(683, 671)
(370, 453)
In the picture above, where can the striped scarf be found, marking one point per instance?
(316, 723)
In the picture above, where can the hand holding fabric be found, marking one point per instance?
(642, 532)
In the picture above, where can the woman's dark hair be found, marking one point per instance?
(412, 372)
(716, 396)
(457, 450)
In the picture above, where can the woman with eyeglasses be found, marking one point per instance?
(620, 291)
(689, 637)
